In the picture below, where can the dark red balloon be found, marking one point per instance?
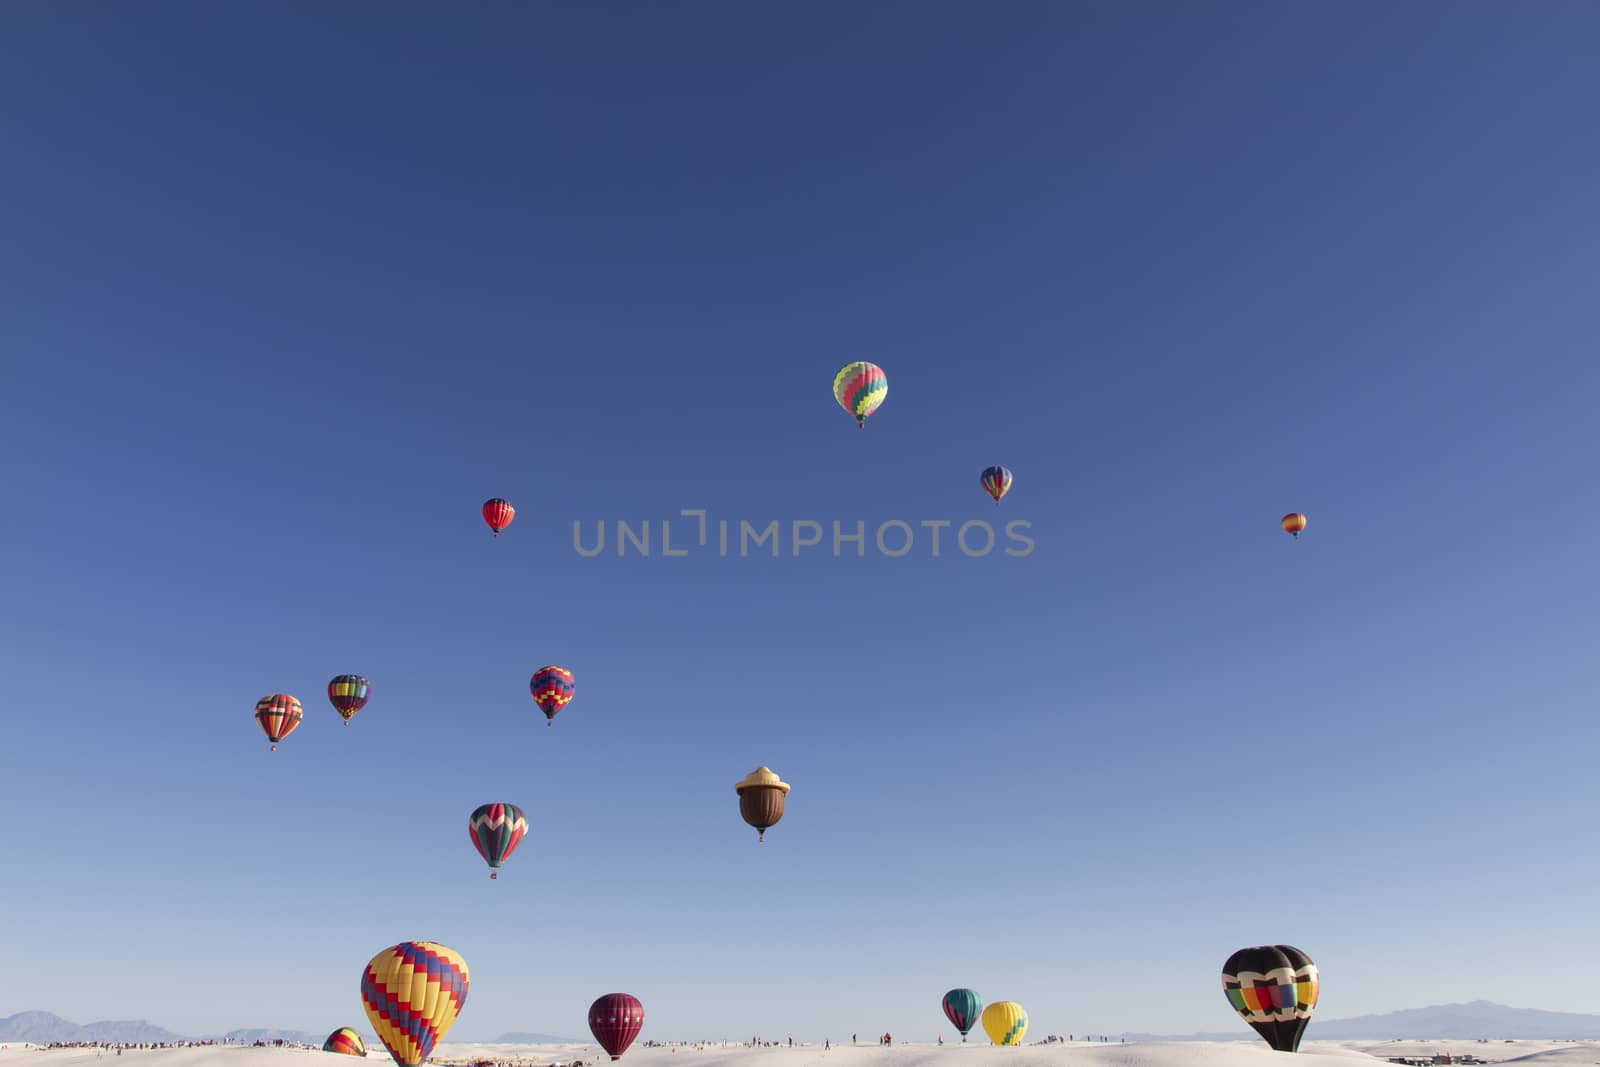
(615, 1020)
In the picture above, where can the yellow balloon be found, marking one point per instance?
(1005, 1022)
(413, 993)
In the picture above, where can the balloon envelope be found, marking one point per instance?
(348, 694)
(552, 689)
(497, 830)
(761, 795)
(1005, 1022)
(278, 715)
(498, 514)
(1293, 523)
(962, 1007)
(1273, 988)
(615, 1020)
(996, 481)
(413, 993)
(860, 388)
(346, 1041)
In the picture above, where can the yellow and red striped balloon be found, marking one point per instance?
(345, 1041)
(1293, 523)
(278, 715)
(413, 993)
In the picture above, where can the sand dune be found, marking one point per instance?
(1074, 1054)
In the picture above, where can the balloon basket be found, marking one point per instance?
(493, 875)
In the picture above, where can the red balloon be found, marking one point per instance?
(498, 514)
(615, 1020)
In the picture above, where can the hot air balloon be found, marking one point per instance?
(413, 993)
(615, 1020)
(348, 694)
(1005, 1022)
(278, 715)
(498, 514)
(860, 388)
(1274, 988)
(552, 690)
(761, 796)
(962, 1007)
(996, 481)
(345, 1040)
(1293, 523)
(497, 830)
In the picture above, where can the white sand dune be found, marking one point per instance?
(1068, 1054)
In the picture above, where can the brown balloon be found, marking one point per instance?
(761, 797)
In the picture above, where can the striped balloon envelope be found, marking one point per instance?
(498, 514)
(615, 1020)
(278, 715)
(996, 481)
(1293, 523)
(348, 694)
(552, 690)
(412, 993)
(497, 830)
(346, 1041)
(860, 388)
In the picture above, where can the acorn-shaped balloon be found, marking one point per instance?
(761, 797)
(1293, 523)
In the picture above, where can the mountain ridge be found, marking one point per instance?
(1463, 1021)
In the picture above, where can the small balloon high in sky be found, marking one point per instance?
(498, 513)
(497, 830)
(552, 690)
(278, 715)
(860, 388)
(348, 694)
(761, 796)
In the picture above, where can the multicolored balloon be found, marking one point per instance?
(552, 690)
(413, 993)
(1005, 1022)
(348, 694)
(615, 1020)
(497, 830)
(345, 1040)
(996, 481)
(962, 1007)
(498, 514)
(1293, 523)
(278, 715)
(860, 388)
(1274, 988)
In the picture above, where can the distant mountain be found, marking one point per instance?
(43, 1028)
(299, 1037)
(1480, 1018)
(519, 1037)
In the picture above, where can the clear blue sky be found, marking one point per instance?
(289, 290)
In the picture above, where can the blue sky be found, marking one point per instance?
(288, 291)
